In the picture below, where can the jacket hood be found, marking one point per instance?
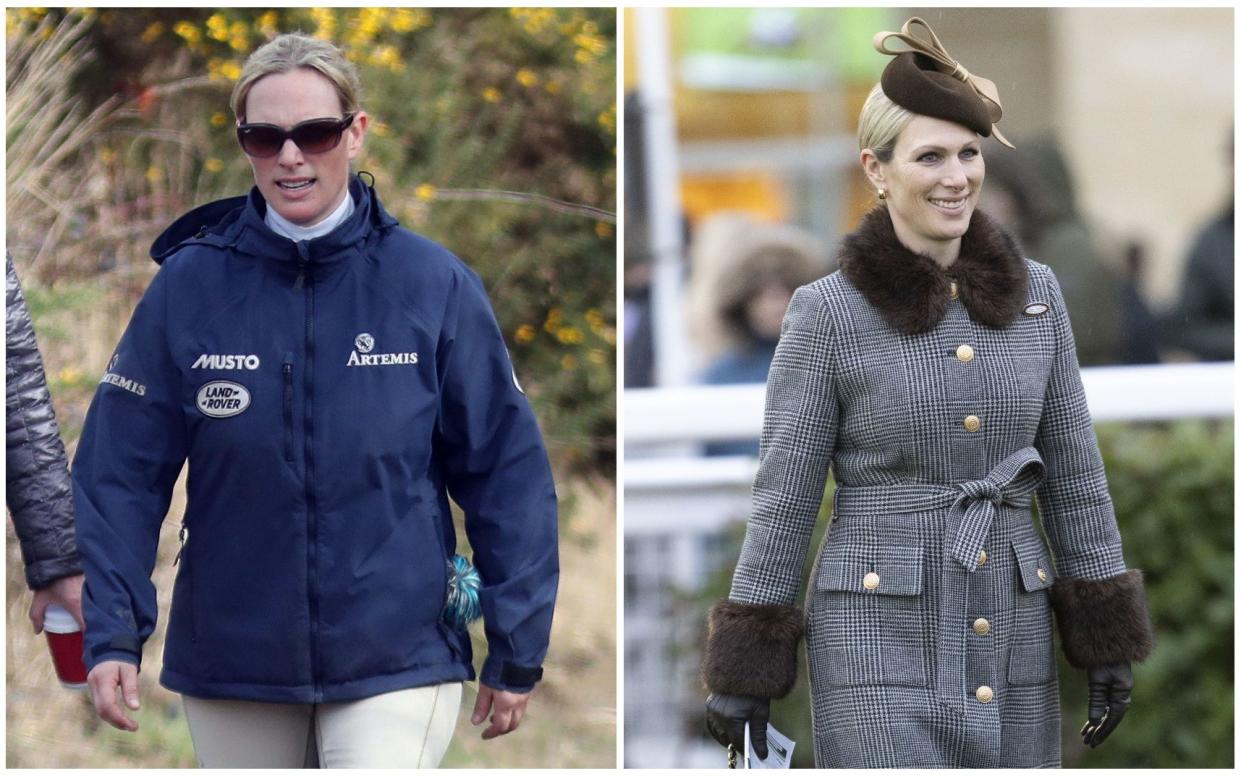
(239, 222)
(912, 292)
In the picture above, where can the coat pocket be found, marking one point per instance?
(869, 622)
(1031, 656)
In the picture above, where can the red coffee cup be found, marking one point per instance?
(64, 638)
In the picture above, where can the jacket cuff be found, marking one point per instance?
(752, 649)
(1103, 621)
(117, 649)
(42, 573)
(507, 675)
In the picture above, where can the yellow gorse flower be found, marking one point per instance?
(525, 333)
(491, 94)
(152, 32)
(325, 23)
(553, 320)
(213, 165)
(607, 119)
(239, 36)
(188, 32)
(526, 77)
(409, 19)
(217, 27)
(425, 192)
(267, 23)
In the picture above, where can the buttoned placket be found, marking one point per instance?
(968, 674)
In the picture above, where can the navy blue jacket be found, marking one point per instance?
(329, 395)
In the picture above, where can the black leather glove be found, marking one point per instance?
(1110, 687)
(726, 718)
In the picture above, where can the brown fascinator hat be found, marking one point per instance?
(925, 79)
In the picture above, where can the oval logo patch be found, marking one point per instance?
(223, 399)
(1036, 308)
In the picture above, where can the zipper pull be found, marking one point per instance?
(181, 536)
(303, 257)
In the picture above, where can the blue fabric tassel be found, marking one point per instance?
(462, 606)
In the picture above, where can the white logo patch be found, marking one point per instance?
(212, 361)
(365, 343)
(223, 399)
(1037, 308)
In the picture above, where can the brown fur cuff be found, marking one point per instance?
(752, 649)
(1103, 621)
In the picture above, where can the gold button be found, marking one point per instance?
(965, 353)
(982, 557)
(972, 423)
(870, 581)
(981, 626)
(952, 288)
(1042, 575)
(984, 694)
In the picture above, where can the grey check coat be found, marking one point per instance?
(944, 401)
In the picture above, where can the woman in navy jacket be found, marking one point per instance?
(331, 378)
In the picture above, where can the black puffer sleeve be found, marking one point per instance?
(39, 495)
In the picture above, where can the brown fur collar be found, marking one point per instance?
(1103, 621)
(911, 291)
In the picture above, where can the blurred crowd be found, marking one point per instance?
(741, 271)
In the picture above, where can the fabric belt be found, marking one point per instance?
(974, 503)
(973, 508)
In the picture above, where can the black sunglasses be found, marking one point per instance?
(315, 136)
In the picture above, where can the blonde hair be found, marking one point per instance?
(880, 123)
(293, 50)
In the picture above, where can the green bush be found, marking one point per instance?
(1172, 485)
(1173, 489)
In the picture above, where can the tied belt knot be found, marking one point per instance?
(1012, 482)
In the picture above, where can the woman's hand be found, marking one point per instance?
(1110, 687)
(104, 679)
(726, 718)
(66, 591)
(506, 709)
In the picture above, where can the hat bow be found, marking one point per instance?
(944, 63)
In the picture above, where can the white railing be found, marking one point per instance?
(709, 413)
(670, 488)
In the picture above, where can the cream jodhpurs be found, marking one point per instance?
(403, 729)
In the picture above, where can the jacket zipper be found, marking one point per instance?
(312, 527)
(287, 370)
(183, 536)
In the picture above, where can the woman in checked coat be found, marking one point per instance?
(936, 375)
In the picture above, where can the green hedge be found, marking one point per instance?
(1172, 485)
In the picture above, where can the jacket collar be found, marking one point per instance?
(912, 292)
(237, 222)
